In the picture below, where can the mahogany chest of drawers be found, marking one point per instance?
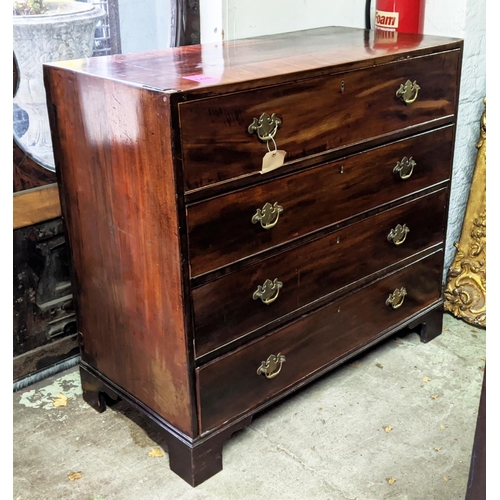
(245, 216)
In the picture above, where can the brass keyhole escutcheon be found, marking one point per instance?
(396, 298)
(398, 234)
(272, 367)
(266, 126)
(268, 292)
(405, 167)
(268, 215)
(408, 92)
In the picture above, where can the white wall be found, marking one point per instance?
(144, 25)
(212, 20)
(463, 19)
(232, 19)
(245, 18)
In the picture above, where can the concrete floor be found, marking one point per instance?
(329, 441)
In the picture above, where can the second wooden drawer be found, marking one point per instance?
(226, 229)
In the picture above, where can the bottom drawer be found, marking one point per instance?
(230, 386)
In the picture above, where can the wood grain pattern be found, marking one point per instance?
(193, 459)
(230, 386)
(225, 310)
(36, 205)
(124, 237)
(44, 356)
(476, 484)
(160, 181)
(221, 231)
(318, 115)
(267, 60)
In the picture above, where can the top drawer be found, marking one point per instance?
(316, 114)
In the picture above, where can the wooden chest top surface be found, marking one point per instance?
(209, 68)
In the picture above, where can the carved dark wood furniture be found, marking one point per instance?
(476, 484)
(206, 290)
(44, 327)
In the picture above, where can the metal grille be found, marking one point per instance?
(107, 33)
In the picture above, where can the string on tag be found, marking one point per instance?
(272, 159)
(275, 146)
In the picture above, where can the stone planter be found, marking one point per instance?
(65, 32)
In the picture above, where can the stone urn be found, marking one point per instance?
(66, 31)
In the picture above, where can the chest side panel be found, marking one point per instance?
(116, 177)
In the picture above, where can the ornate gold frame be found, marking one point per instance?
(465, 293)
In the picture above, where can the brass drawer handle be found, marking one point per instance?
(408, 92)
(405, 167)
(266, 126)
(268, 216)
(272, 367)
(396, 298)
(268, 292)
(398, 234)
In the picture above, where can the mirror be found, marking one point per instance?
(72, 29)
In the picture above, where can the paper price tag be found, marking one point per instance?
(273, 160)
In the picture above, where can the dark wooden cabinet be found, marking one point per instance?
(44, 331)
(44, 324)
(207, 287)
